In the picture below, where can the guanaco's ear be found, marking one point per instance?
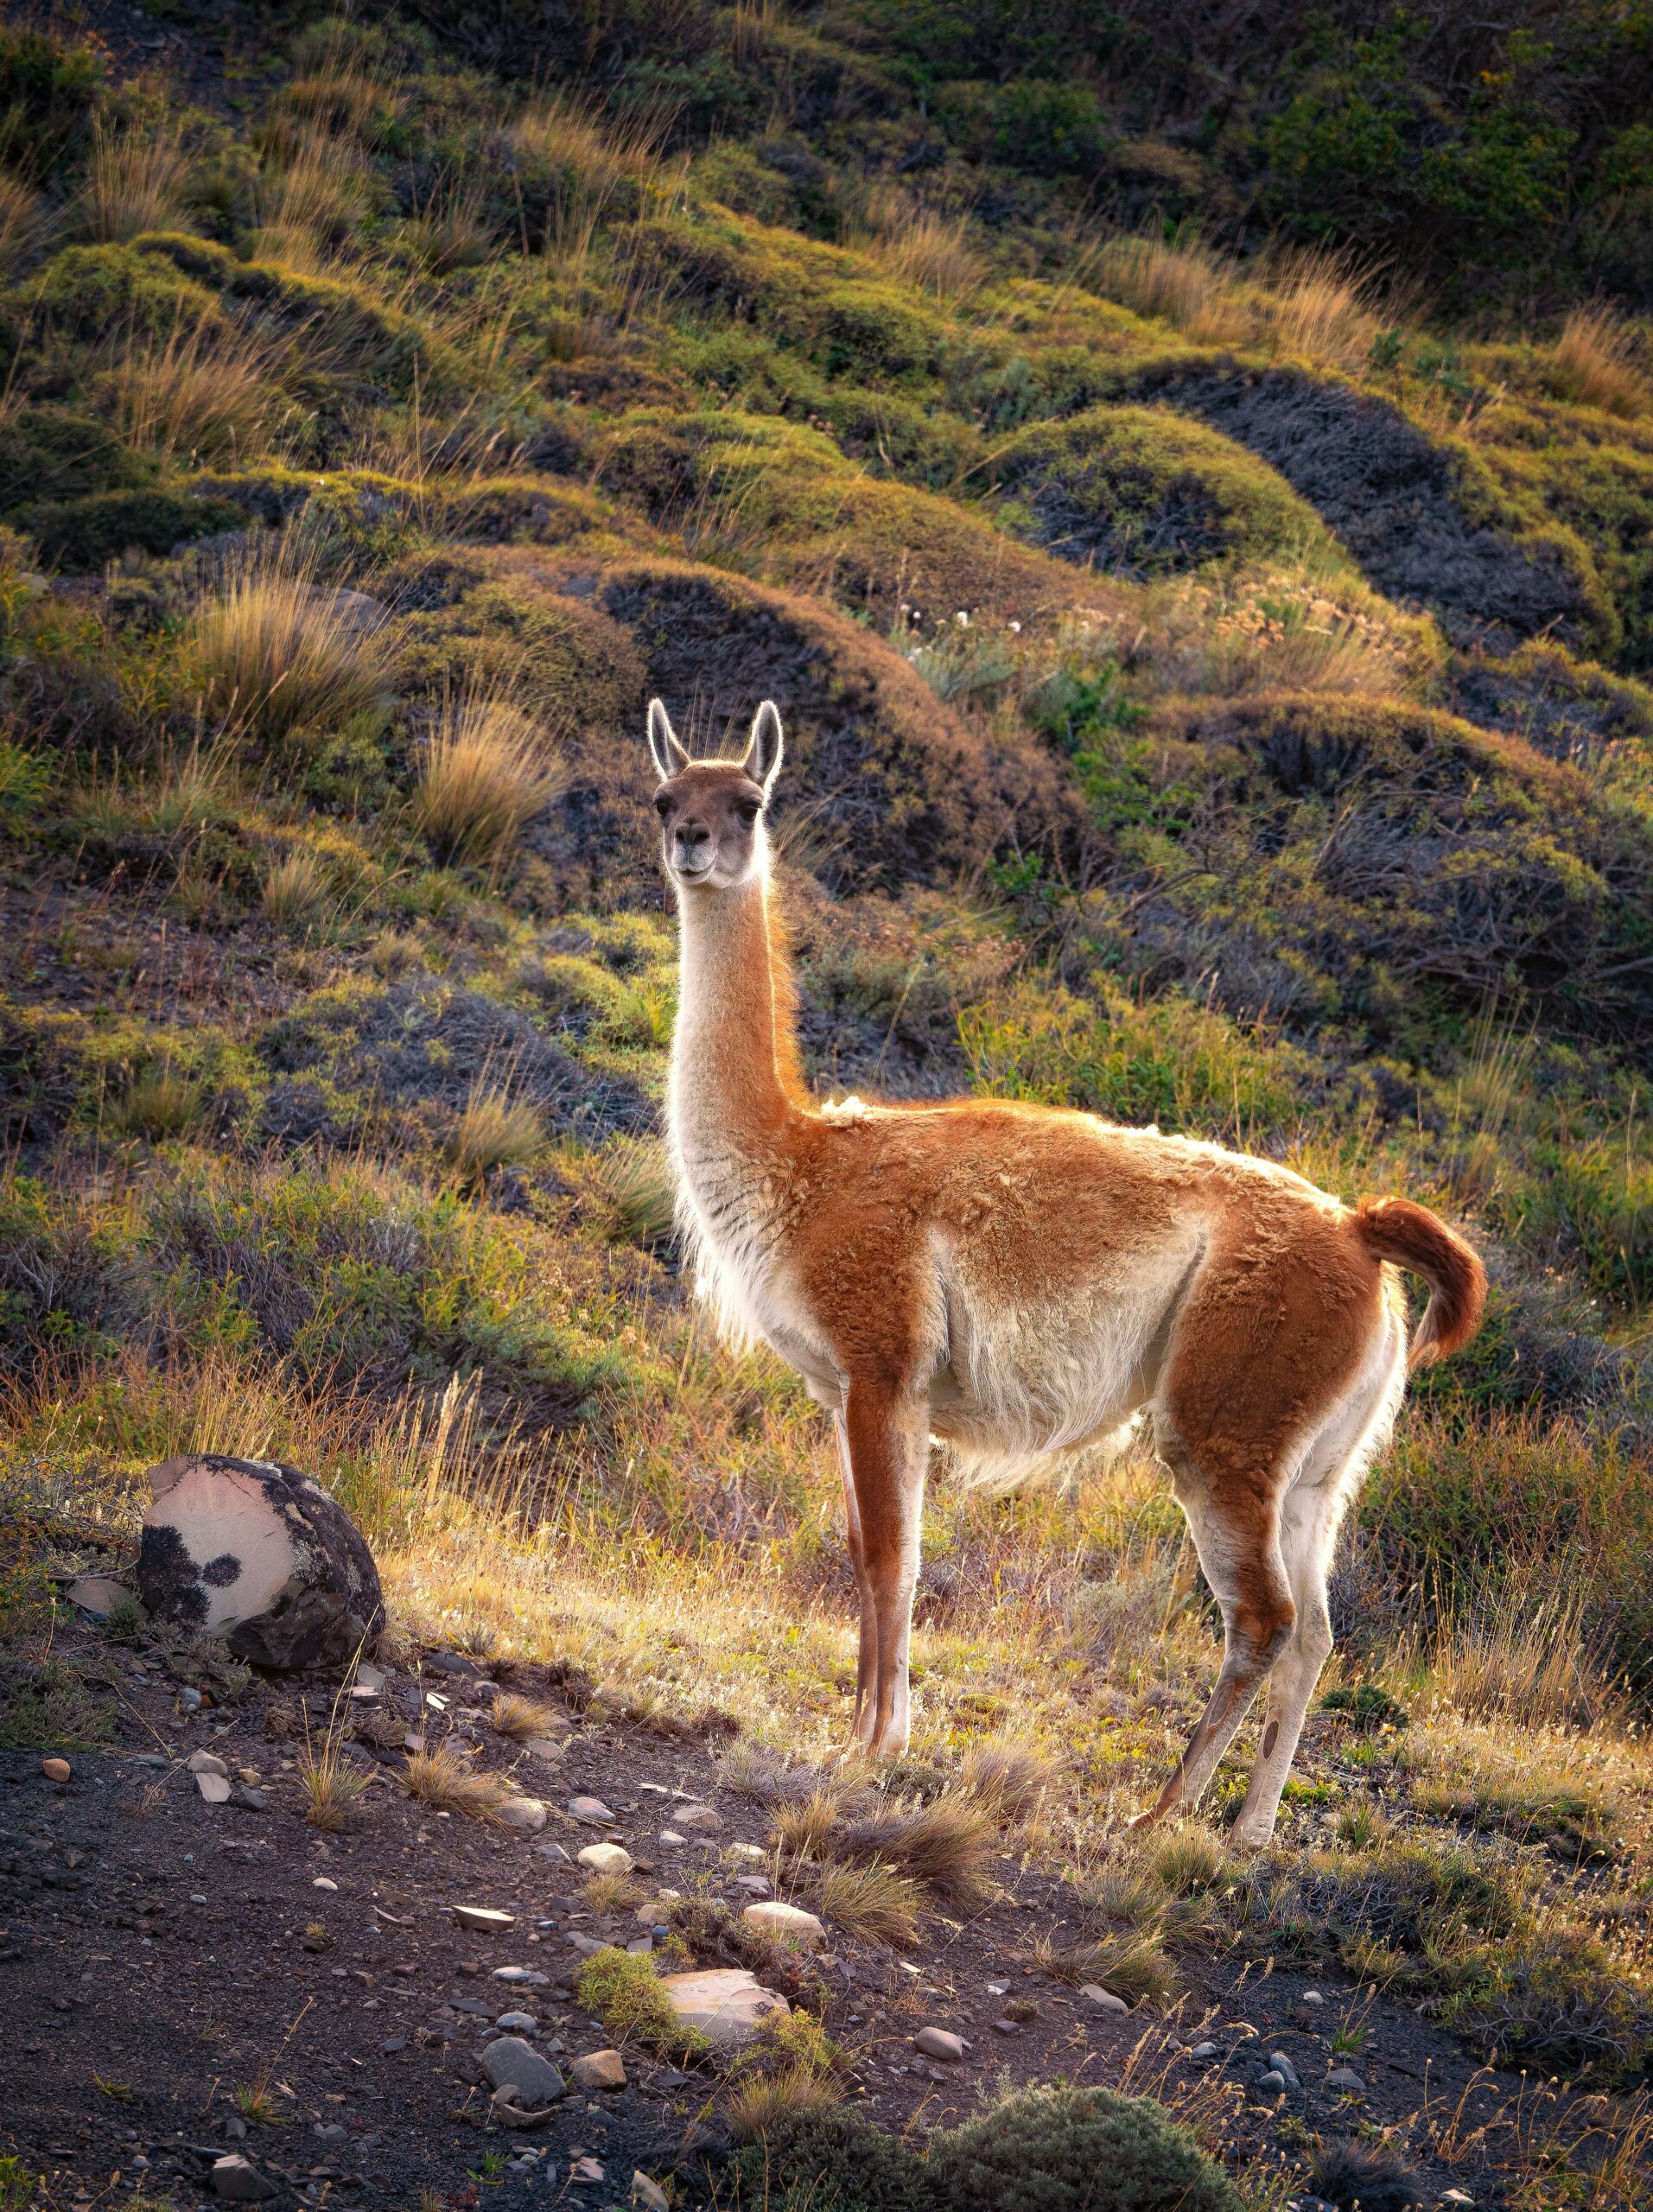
(668, 755)
(762, 762)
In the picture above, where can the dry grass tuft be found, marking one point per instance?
(296, 890)
(495, 1130)
(917, 246)
(756, 2105)
(522, 1719)
(941, 1846)
(451, 229)
(311, 195)
(1132, 1966)
(803, 1826)
(25, 222)
(607, 1893)
(445, 1779)
(194, 397)
(332, 1788)
(281, 657)
(876, 1903)
(160, 1102)
(488, 769)
(1599, 361)
(133, 184)
(1178, 279)
(1008, 1781)
(1319, 304)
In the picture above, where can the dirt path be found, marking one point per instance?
(162, 1954)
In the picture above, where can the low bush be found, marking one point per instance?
(83, 536)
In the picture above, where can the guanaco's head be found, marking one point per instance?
(711, 811)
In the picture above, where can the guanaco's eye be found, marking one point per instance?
(748, 810)
(662, 806)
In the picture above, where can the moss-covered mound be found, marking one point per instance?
(1141, 493)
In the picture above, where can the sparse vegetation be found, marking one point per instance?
(369, 453)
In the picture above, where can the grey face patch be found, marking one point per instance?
(219, 1573)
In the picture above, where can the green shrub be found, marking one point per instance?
(54, 453)
(81, 535)
(48, 90)
(86, 292)
(623, 1992)
(1064, 2150)
(836, 2160)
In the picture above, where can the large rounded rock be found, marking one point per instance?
(258, 1553)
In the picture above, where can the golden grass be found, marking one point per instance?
(941, 1846)
(1599, 360)
(522, 1719)
(25, 221)
(495, 1130)
(446, 1781)
(194, 397)
(1132, 1966)
(296, 890)
(450, 231)
(1010, 1781)
(607, 1893)
(1178, 280)
(281, 657)
(332, 1789)
(755, 2105)
(134, 182)
(875, 1902)
(1317, 303)
(160, 1102)
(805, 1826)
(489, 769)
(916, 245)
(311, 194)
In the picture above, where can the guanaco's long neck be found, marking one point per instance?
(734, 1057)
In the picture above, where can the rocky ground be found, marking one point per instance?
(194, 1973)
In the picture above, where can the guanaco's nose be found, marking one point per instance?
(689, 844)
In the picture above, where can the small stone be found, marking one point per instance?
(1343, 2077)
(525, 1814)
(1454, 2196)
(697, 1816)
(414, 1742)
(1102, 2000)
(656, 1911)
(324, 1882)
(726, 2003)
(369, 1677)
(555, 1853)
(1282, 2066)
(205, 1763)
(214, 1788)
(649, 2194)
(789, 1921)
(600, 2069)
(642, 1947)
(391, 2045)
(586, 1945)
(97, 1595)
(748, 1850)
(512, 2064)
(670, 1835)
(237, 2183)
(940, 2042)
(517, 2024)
(1271, 2084)
(1006, 2028)
(607, 1858)
(484, 1918)
(56, 1769)
(510, 2114)
(591, 1812)
(1202, 2052)
(522, 1977)
(1312, 1997)
(190, 1700)
(586, 2169)
(755, 1885)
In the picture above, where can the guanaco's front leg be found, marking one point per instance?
(886, 1432)
(867, 1659)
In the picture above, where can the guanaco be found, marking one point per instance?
(1017, 1280)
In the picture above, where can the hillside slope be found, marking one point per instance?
(1216, 695)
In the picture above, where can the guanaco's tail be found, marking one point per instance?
(1395, 1229)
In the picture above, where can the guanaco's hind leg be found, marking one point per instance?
(1238, 1547)
(1278, 1329)
(866, 1660)
(886, 1433)
(1309, 1516)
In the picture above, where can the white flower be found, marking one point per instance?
(963, 620)
(1016, 628)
